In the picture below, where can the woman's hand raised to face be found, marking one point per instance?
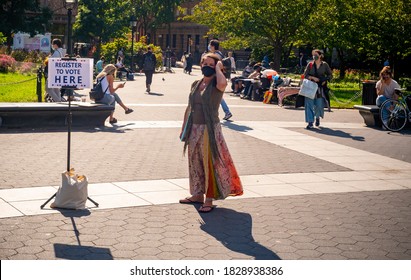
(219, 65)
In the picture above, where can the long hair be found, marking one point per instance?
(386, 70)
(107, 70)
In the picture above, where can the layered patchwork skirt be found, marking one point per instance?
(217, 178)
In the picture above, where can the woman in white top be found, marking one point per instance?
(386, 86)
(111, 97)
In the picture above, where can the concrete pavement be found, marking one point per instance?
(339, 192)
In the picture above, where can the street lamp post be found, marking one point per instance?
(133, 24)
(69, 4)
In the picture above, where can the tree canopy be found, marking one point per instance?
(254, 23)
(371, 29)
(22, 15)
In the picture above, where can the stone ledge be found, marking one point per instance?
(44, 115)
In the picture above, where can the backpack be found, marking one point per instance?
(97, 93)
(227, 64)
(149, 63)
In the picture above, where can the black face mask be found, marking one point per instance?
(207, 71)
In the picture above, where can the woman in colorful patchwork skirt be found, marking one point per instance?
(212, 173)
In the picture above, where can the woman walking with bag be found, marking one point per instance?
(212, 173)
(317, 71)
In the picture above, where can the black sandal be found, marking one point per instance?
(114, 120)
(128, 111)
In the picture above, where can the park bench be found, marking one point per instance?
(370, 114)
(289, 89)
(46, 115)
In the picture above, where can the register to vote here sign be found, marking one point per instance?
(73, 73)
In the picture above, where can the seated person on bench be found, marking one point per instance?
(121, 68)
(386, 86)
(237, 82)
(251, 86)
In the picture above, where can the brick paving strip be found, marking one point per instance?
(361, 225)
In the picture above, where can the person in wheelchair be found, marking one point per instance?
(386, 86)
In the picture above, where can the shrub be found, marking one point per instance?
(405, 83)
(3, 49)
(7, 63)
(19, 55)
(27, 67)
(109, 51)
(352, 75)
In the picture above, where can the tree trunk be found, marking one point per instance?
(277, 55)
(342, 63)
(287, 56)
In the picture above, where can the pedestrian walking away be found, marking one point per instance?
(149, 66)
(212, 174)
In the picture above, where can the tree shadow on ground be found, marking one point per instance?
(234, 230)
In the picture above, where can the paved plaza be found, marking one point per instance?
(341, 191)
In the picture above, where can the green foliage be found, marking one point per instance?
(363, 29)
(352, 75)
(254, 23)
(109, 51)
(3, 38)
(405, 82)
(101, 19)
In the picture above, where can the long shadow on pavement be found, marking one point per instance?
(337, 133)
(236, 127)
(234, 230)
(79, 252)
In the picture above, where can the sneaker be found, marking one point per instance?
(317, 122)
(310, 125)
(227, 116)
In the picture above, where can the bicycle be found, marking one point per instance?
(395, 114)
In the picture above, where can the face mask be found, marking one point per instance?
(316, 57)
(207, 71)
(209, 48)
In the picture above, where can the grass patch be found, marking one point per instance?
(345, 94)
(15, 87)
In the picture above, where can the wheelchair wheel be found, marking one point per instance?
(393, 115)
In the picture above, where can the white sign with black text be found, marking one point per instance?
(74, 73)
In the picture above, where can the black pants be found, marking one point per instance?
(149, 76)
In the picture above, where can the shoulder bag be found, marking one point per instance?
(308, 89)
